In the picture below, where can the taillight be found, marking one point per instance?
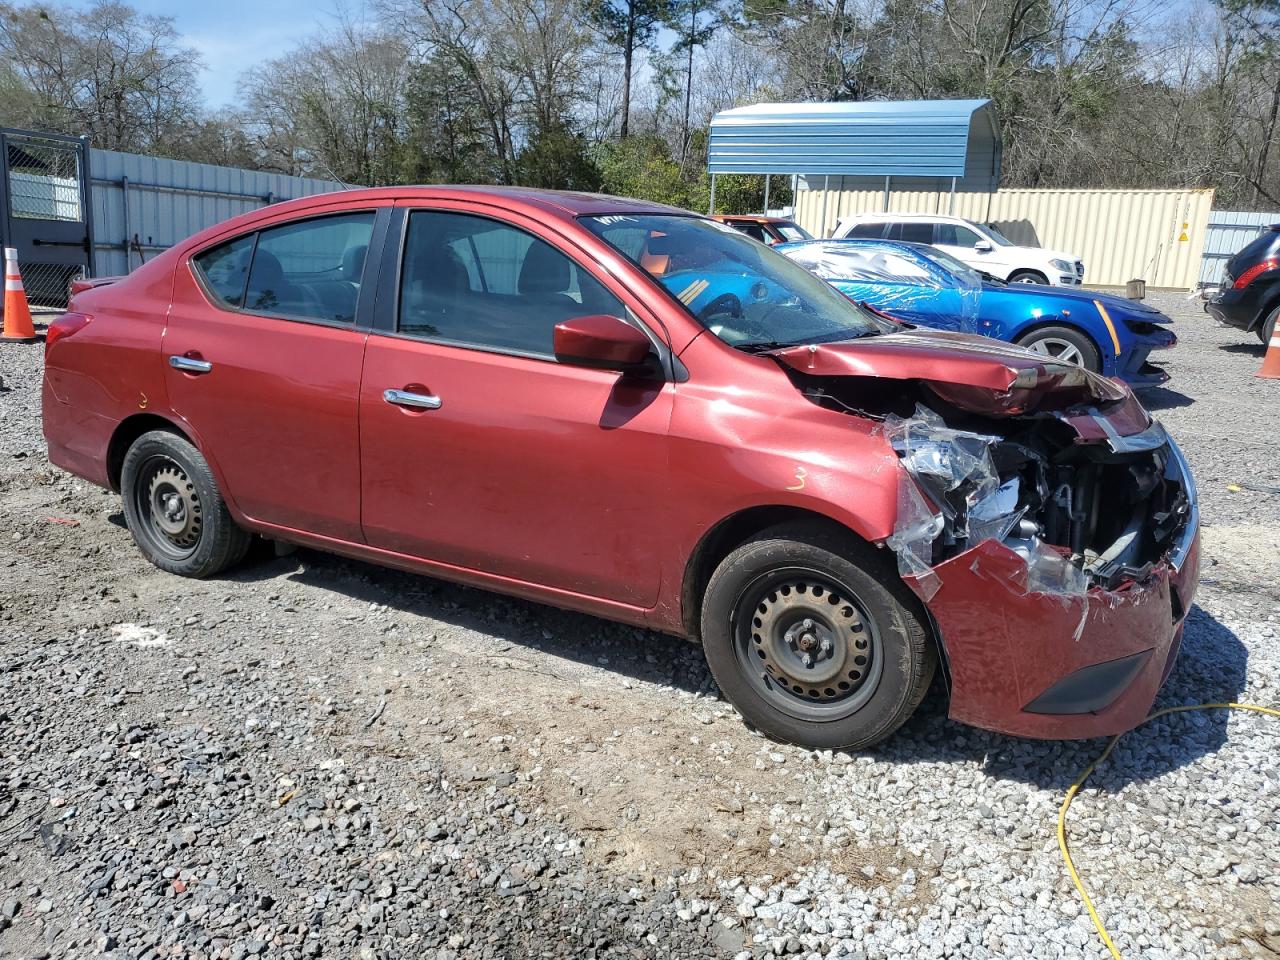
(1252, 274)
(65, 326)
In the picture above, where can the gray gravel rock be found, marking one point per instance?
(314, 757)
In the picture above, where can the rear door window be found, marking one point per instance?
(311, 269)
(911, 232)
(872, 230)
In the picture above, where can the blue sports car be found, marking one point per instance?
(923, 285)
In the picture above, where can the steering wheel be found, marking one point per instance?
(724, 305)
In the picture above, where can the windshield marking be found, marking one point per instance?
(691, 292)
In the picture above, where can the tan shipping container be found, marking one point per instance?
(1121, 235)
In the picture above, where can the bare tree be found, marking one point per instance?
(525, 63)
(334, 107)
(108, 72)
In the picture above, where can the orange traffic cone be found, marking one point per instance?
(17, 315)
(1271, 361)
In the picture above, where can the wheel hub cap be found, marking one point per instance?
(175, 508)
(1058, 349)
(811, 641)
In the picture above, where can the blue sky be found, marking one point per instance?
(233, 35)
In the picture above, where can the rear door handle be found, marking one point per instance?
(403, 398)
(190, 365)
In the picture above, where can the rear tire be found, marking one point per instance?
(1060, 342)
(174, 509)
(1268, 327)
(814, 638)
(1028, 276)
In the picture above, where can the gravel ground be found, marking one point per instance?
(315, 757)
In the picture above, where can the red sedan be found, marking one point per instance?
(632, 411)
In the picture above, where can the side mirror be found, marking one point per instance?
(983, 246)
(600, 341)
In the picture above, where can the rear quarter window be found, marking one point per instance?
(225, 269)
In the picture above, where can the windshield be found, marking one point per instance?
(793, 231)
(740, 290)
(996, 235)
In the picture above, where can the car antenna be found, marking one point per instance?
(334, 177)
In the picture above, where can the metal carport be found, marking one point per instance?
(924, 140)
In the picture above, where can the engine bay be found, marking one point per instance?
(1081, 512)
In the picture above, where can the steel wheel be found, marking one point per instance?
(169, 506)
(807, 644)
(1058, 349)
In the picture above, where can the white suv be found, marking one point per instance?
(983, 248)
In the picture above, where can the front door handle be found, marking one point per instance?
(190, 364)
(403, 398)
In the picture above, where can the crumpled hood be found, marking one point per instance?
(973, 373)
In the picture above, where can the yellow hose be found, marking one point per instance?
(1088, 771)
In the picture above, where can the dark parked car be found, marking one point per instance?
(497, 387)
(768, 230)
(1249, 296)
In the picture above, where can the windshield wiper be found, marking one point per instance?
(764, 346)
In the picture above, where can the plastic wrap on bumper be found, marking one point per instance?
(1033, 648)
(1007, 646)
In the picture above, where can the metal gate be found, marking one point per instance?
(46, 214)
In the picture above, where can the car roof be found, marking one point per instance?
(544, 205)
(929, 217)
(564, 204)
(749, 218)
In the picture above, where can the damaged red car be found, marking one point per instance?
(632, 411)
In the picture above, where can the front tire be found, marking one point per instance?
(174, 509)
(1028, 276)
(1066, 344)
(814, 638)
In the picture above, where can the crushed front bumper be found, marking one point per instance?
(1135, 369)
(1056, 666)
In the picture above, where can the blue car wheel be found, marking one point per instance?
(1064, 343)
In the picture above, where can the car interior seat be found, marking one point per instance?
(353, 263)
(434, 291)
(271, 292)
(545, 277)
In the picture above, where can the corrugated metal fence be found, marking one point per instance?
(1229, 231)
(142, 205)
(1155, 235)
